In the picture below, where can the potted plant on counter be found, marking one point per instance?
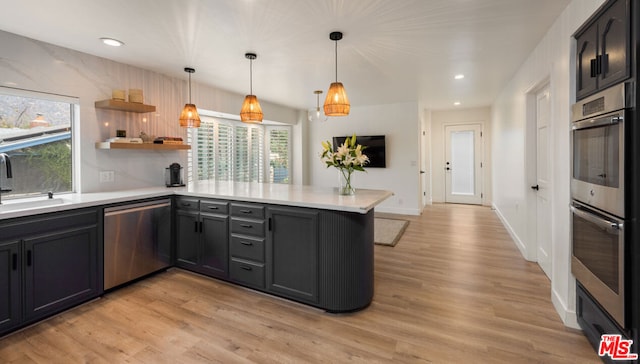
(347, 159)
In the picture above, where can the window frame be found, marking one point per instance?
(74, 123)
(192, 158)
(267, 144)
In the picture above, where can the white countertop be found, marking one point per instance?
(278, 194)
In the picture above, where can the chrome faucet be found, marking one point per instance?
(4, 158)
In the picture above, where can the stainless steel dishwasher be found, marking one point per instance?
(137, 240)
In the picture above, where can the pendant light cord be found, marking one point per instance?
(250, 76)
(336, 52)
(189, 87)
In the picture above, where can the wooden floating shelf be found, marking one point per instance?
(142, 146)
(124, 106)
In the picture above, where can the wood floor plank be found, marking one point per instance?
(454, 289)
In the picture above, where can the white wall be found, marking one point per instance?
(300, 158)
(32, 65)
(440, 119)
(551, 60)
(400, 123)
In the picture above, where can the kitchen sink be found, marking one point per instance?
(18, 205)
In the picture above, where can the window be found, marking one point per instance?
(279, 155)
(228, 150)
(35, 132)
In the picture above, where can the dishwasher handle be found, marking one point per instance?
(125, 209)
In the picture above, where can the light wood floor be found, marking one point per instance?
(454, 290)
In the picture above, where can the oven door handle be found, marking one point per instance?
(603, 223)
(590, 123)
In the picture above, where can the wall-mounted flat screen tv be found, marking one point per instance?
(375, 149)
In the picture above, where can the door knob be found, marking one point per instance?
(536, 187)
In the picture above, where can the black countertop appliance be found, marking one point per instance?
(173, 176)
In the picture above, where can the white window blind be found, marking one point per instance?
(241, 155)
(279, 155)
(256, 157)
(205, 144)
(224, 153)
(227, 150)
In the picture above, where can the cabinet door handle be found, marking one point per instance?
(245, 211)
(593, 68)
(195, 224)
(247, 243)
(245, 267)
(28, 258)
(599, 64)
(213, 207)
(14, 262)
(247, 226)
(186, 204)
(200, 226)
(269, 224)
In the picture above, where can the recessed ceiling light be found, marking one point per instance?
(459, 77)
(456, 103)
(112, 42)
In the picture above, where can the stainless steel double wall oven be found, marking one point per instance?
(598, 195)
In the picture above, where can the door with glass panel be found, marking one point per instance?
(463, 168)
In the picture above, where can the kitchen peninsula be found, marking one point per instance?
(304, 243)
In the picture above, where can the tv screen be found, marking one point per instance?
(375, 149)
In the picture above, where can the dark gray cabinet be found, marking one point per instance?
(10, 281)
(593, 320)
(202, 228)
(292, 253)
(188, 239)
(603, 49)
(48, 263)
(320, 257)
(215, 242)
(247, 244)
(60, 267)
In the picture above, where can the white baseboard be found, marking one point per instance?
(512, 233)
(393, 210)
(569, 317)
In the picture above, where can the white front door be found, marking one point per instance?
(543, 181)
(463, 168)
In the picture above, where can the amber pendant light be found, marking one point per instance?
(337, 102)
(189, 117)
(251, 111)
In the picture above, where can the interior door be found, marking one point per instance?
(463, 168)
(542, 187)
(424, 169)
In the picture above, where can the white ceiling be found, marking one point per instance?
(392, 50)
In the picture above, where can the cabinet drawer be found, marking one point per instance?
(248, 211)
(184, 203)
(593, 320)
(249, 273)
(247, 248)
(215, 207)
(247, 227)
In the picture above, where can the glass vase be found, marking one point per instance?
(345, 188)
